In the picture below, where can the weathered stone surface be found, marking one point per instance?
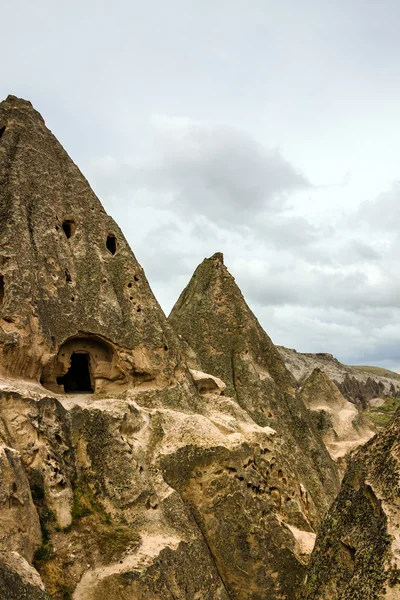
(341, 424)
(144, 487)
(357, 551)
(205, 382)
(69, 281)
(357, 384)
(212, 317)
(19, 580)
(19, 521)
(146, 484)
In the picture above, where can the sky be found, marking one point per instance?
(269, 131)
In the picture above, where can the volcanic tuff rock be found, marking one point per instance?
(144, 487)
(342, 426)
(213, 318)
(67, 275)
(18, 580)
(357, 551)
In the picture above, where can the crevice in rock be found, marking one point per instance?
(1, 290)
(348, 555)
(2, 130)
(209, 549)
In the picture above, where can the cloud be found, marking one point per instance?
(326, 284)
(198, 169)
(382, 213)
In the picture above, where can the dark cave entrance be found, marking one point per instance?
(111, 244)
(1, 289)
(77, 379)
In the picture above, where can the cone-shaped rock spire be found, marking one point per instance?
(67, 274)
(212, 316)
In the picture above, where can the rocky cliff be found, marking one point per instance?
(357, 384)
(357, 551)
(126, 471)
(342, 426)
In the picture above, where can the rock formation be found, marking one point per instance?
(128, 469)
(359, 385)
(148, 459)
(213, 318)
(69, 283)
(341, 424)
(357, 551)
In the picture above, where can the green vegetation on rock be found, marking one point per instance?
(382, 415)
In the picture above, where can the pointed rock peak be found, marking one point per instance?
(218, 257)
(319, 380)
(70, 285)
(212, 316)
(19, 109)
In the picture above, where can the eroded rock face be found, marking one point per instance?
(214, 320)
(19, 580)
(359, 385)
(357, 551)
(19, 521)
(341, 424)
(149, 481)
(67, 274)
(205, 382)
(161, 499)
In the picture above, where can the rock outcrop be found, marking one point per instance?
(359, 385)
(149, 481)
(341, 424)
(19, 580)
(213, 318)
(69, 283)
(357, 551)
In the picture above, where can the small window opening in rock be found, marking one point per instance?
(69, 228)
(58, 438)
(77, 378)
(68, 276)
(2, 130)
(1, 289)
(166, 348)
(136, 278)
(111, 244)
(138, 309)
(129, 285)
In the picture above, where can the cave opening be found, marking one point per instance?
(1, 290)
(111, 244)
(77, 379)
(69, 228)
(2, 130)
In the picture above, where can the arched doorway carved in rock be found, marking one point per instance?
(85, 363)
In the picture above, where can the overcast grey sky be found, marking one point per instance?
(266, 130)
